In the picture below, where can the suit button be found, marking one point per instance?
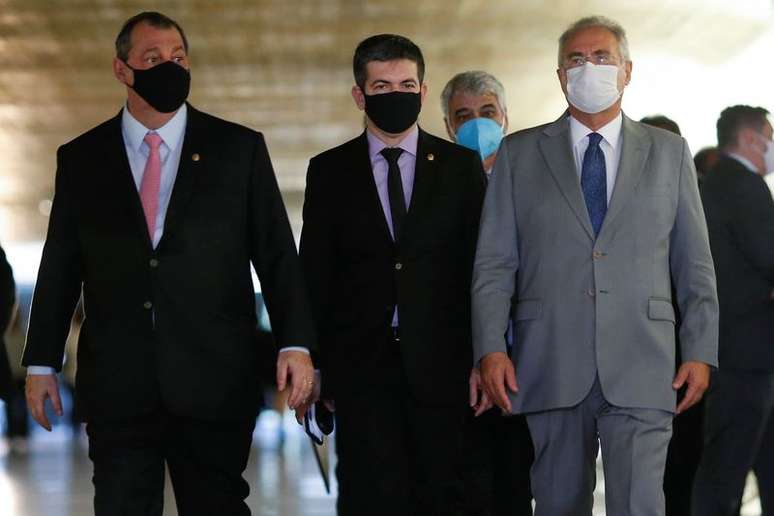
(597, 254)
(154, 263)
(590, 292)
(398, 266)
(147, 305)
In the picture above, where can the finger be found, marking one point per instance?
(682, 376)
(330, 405)
(298, 390)
(282, 374)
(692, 395)
(301, 412)
(56, 401)
(510, 378)
(472, 392)
(501, 397)
(484, 405)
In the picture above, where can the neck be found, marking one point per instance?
(389, 139)
(594, 121)
(145, 114)
(755, 159)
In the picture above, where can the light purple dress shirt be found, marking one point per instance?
(407, 163)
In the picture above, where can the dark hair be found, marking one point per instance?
(385, 47)
(152, 18)
(662, 122)
(734, 118)
(705, 160)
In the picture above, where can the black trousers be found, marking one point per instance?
(396, 454)
(205, 459)
(683, 456)
(496, 475)
(739, 417)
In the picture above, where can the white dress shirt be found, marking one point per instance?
(137, 152)
(744, 161)
(610, 145)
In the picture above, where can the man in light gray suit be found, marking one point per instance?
(586, 223)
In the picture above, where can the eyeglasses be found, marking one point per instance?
(598, 58)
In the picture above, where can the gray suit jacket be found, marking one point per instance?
(583, 307)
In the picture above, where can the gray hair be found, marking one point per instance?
(474, 82)
(596, 21)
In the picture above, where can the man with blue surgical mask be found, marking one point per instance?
(500, 451)
(473, 105)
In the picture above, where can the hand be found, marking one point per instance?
(696, 375)
(313, 398)
(295, 366)
(37, 389)
(497, 373)
(476, 387)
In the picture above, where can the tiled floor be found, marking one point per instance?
(53, 477)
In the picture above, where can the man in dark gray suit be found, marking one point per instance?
(586, 221)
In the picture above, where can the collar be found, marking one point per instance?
(172, 132)
(744, 161)
(611, 132)
(408, 144)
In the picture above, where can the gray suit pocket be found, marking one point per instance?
(527, 309)
(660, 309)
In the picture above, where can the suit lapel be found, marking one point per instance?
(117, 163)
(635, 147)
(193, 160)
(424, 178)
(365, 184)
(556, 147)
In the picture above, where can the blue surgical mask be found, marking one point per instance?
(482, 135)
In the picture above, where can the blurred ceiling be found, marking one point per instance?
(283, 67)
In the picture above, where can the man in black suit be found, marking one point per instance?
(389, 235)
(740, 404)
(157, 216)
(7, 301)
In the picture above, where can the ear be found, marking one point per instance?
(122, 72)
(561, 74)
(628, 71)
(359, 97)
(449, 131)
(423, 92)
(505, 124)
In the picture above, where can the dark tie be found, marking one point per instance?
(395, 189)
(594, 182)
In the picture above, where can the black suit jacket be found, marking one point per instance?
(174, 326)
(356, 274)
(7, 300)
(740, 219)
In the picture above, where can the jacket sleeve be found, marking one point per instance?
(58, 286)
(7, 293)
(273, 254)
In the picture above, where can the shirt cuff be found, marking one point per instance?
(295, 348)
(34, 370)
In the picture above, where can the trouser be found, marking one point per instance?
(634, 444)
(205, 459)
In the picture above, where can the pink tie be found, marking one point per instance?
(151, 180)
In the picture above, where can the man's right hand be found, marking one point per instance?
(38, 388)
(497, 373)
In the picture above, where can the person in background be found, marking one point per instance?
(157, 216)
(7, 303)
(587, 223)
(389, 234)
(705, 160)
(476, 117)
(662, 122)
(739, 424)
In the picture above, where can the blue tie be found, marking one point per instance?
(594, 182)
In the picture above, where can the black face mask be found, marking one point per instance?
(393, 112)
(165, 86)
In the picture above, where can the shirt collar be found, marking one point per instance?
(611, 131)
(172, 132)
(744, 161)
(408, 144)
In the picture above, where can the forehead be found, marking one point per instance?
(145, 36)
(395, 70)
(591, 39)
(468, 100)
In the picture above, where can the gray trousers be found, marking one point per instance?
(738, 430)
(634, 444)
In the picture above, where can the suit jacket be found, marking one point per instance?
(586, 307)
(740, 217)
(172, 326)
(7, 301)
(357, 274)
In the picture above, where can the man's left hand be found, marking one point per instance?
(294, 369)
(697, 376)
